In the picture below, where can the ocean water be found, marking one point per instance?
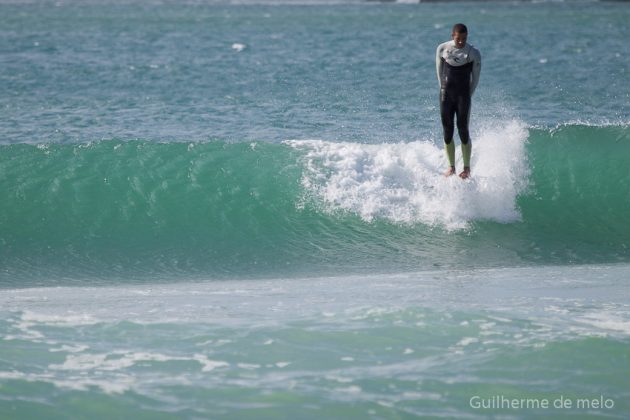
(236, 210)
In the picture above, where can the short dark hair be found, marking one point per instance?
(460, 28)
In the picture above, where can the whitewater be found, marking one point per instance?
(237, 210)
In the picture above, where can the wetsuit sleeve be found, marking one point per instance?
(439, 63)
(476, 71)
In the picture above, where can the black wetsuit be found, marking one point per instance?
(455, 100)
(458, 73)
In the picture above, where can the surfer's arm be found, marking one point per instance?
(476, 71)
(439, 63)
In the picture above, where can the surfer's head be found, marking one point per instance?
(460, 35)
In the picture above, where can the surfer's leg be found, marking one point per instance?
(447, 113)
(463, 117)
(450, 155)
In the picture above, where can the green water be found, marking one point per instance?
(142, 209)
(214, 210)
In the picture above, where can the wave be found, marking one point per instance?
(403, 182)
(136, 209)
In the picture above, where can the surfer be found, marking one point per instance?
(458, 65)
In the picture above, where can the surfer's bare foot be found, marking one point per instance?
(465, 173)
(450, 171)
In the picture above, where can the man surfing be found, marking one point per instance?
(458, 66)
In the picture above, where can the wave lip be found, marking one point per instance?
(402, 182)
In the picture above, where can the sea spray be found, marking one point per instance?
(403, 182)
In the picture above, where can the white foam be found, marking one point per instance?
(403, 182)
(121, 384)
(248, 366)
(467, 340)
(69, 349)
(64, 319)
(352, 389)
(120, 360)
(208, 364)
(238, 47)
(607, 321)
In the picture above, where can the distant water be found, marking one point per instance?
(215, 210)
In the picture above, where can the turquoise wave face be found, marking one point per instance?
(578, 197)
(113, 209)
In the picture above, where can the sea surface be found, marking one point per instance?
(236, 210)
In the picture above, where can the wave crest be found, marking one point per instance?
(402, 182)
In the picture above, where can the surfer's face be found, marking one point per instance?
(460, 39)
